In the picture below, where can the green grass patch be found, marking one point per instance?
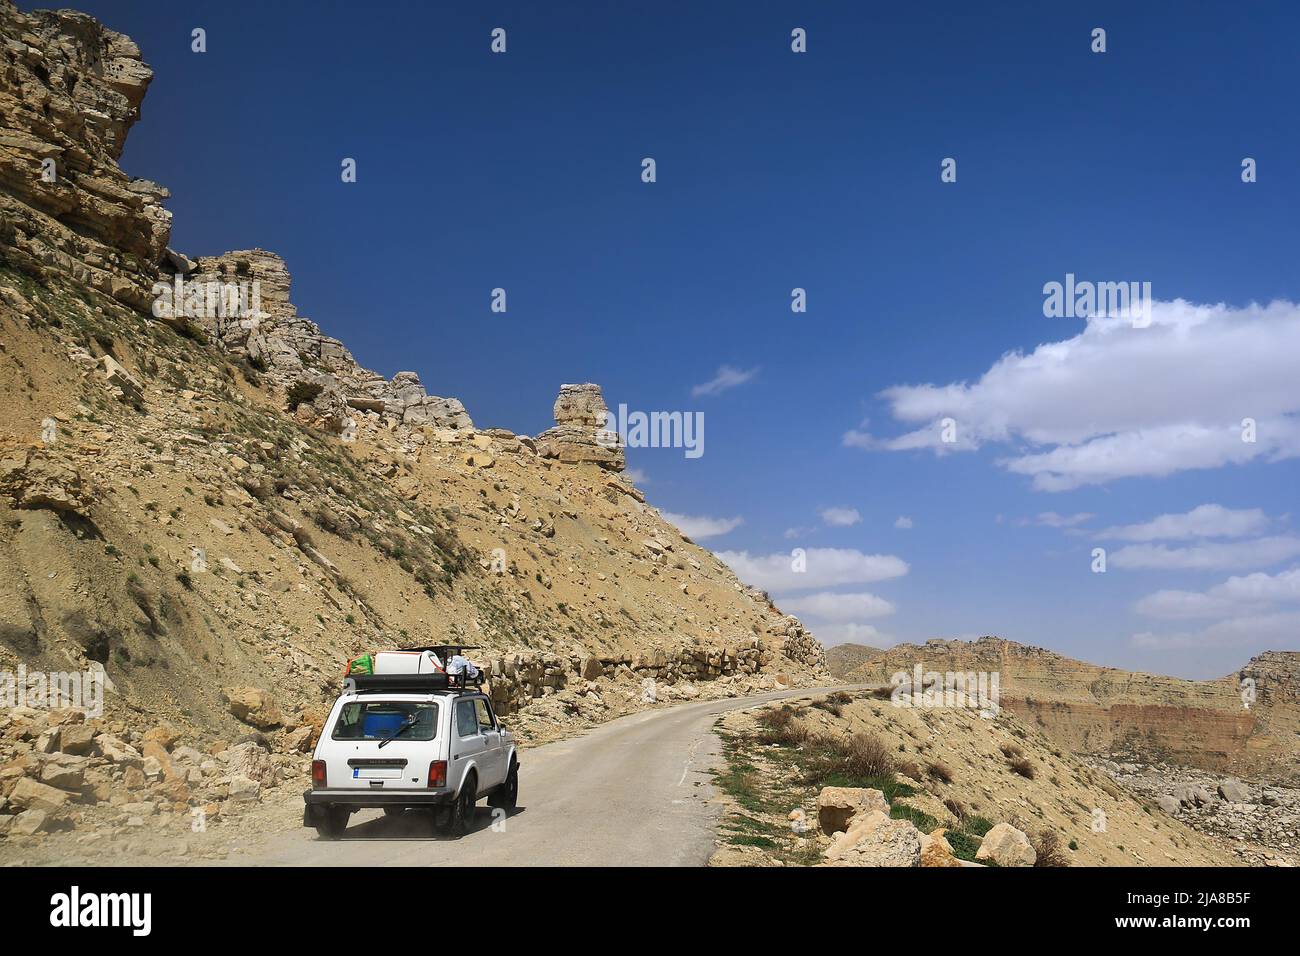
(751, 840)
(922, 821)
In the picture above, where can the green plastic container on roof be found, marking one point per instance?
(365, 664)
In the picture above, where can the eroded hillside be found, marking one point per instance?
(214, 504)
(799, 774)
(1246, 723)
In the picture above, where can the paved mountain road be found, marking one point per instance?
(633, 792)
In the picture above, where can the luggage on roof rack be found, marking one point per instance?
(412, 683)
(414, 661)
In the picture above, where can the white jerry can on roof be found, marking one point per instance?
(407, 662)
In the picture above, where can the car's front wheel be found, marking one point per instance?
(461, 819)
(331, 823)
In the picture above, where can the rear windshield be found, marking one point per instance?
(377, 719)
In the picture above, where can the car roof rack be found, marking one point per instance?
(442, 650)
(412, 683)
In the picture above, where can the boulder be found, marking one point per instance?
(1006, 846)
(118, 751)
(876, 840)
(164, 734)
(253, 706)
(35, 479)
(242, 788)
(300, 740)
(1168, 803)
(31, 795)
(29, 823)
(174, 789)
(120, 378)
(936, 851)
(64, 776)
(837, 806)
(248, 760)
(1190, 795)
(1234, 791)
(78, 739)
(165, 765)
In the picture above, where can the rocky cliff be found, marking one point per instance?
(207, 499)
(1105, 710)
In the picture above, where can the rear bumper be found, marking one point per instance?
(318, 800)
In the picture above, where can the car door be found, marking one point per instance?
(494, 754)
(471, 745)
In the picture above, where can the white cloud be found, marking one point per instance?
(829, 606)
(1275, 630)
(792, 533)
(1204, 521)
(840, 517)
(1051, 519)
(728, 377)
(1257, 552)
(902, 522)
(824, 567)
(1115, 401)
(852, 633)
(636, 476)
(699, 527)
(1248, 594)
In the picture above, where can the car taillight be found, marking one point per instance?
(318, 773)
(438, 773)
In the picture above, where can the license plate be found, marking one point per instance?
(376, 773)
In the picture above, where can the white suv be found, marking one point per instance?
(419, 740)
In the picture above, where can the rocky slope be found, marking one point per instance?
(1104, 710)
(843, 659)
(208, 500)
(803, 780)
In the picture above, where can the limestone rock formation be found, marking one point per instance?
(1247, 723)
(72, 90)
(580, 435)
(247, 311)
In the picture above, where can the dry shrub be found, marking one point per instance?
(858, 758)
(779, 726)
(867, 756)
(908, 768)
(1047, 844)
(956, 808)
(1023, 767)
(939, 771)
(832, 708)
(1011, 751)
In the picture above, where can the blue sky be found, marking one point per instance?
(778, 170)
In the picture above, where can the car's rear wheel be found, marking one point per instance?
(461, 819)
(332, 822)
(506, 797)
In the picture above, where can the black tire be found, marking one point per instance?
(332, 822)
(394, 811)
(461, 818)
(506, 797)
